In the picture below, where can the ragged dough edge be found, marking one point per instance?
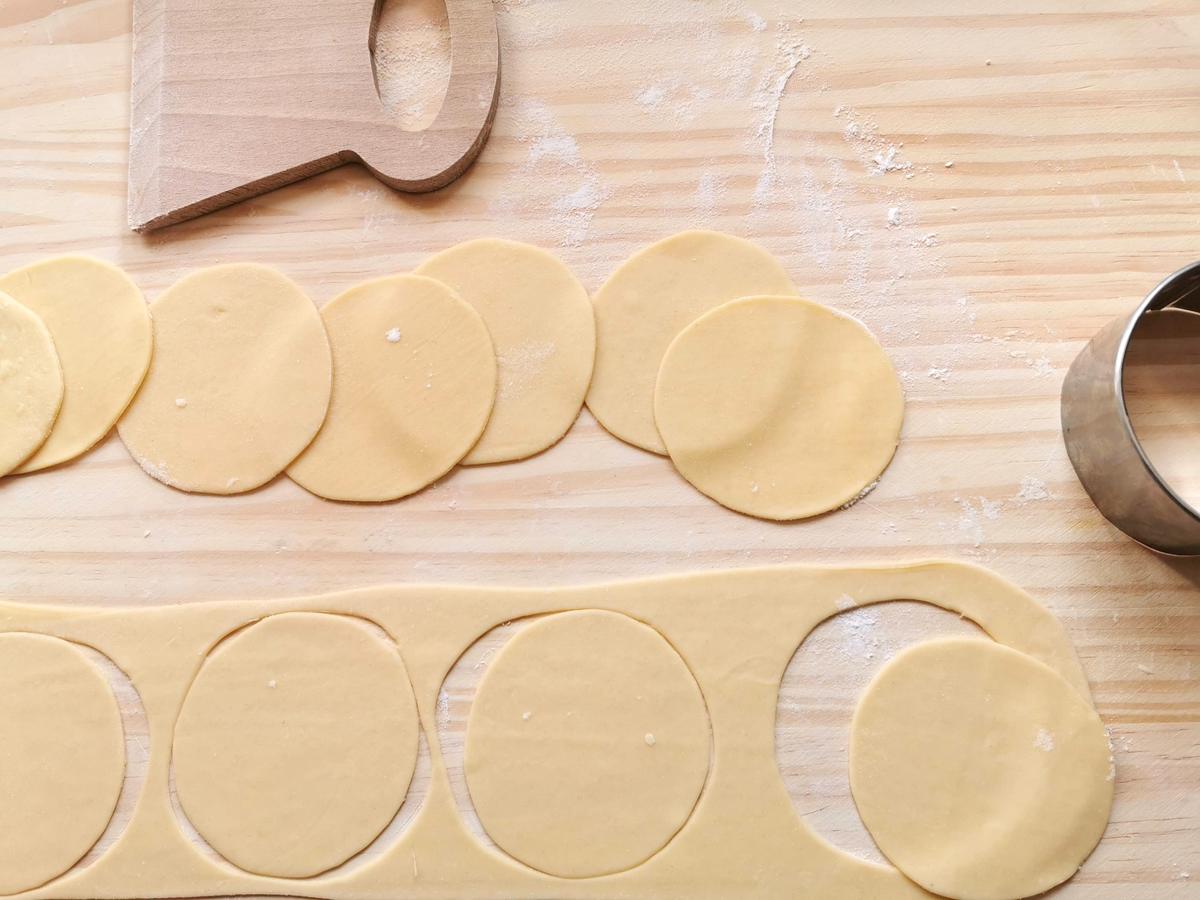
(736, 630)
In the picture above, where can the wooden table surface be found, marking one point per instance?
(985, 190)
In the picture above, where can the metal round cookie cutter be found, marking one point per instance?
(1101, 442)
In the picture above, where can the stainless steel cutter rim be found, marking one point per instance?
(1101, 443)
(1148, 306)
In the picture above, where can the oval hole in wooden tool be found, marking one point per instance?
(418, 790)
(136, 728)
(817, 697)
(410, 54)
(1162, 394)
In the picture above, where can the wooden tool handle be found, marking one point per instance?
(231, 100)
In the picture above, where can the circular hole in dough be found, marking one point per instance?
(587, 745)
(239, 384)
(62, 758)
(101, 331)
(296, 743)
(31, 383)
(541, 322)
(414, 382)
(651, 298)
(979, 771)
(778, 408)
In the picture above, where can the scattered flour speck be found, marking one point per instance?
(1044, 740)
(860, 495)
(1032, 489)
(522, 366)
(887, 160)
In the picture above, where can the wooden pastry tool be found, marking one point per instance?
(231, 99)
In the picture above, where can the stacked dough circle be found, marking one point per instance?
(239, 384)
(414, 379)
(778, 407)
(980, 772)
(644, 305)
(587, 744)
(697, 347)
(101, 334)
(31, 383)
(63, 758)
(296, 743)
(772, 405)
(541, 322)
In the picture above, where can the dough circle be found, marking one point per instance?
(778, 407)
(653, 296)
(414, 382)
(587, 744)
(541, 322)
(239, 384)
(101, 331)
(62, 758)
(978, 770)
(31, 383)
(296, 743)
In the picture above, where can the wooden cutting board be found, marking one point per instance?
(1074, 186)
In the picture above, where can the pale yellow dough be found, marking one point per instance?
(651, 298)
(541, 322)
(31, 383)
(736, 631)
(239, 384)
(979, 771)
(296, 743)
(414, 381)
(778, 407)
(102, 335)
(62, 758)
(587, 746)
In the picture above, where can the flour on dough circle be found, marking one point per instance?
(31, 383)
(541, 322)
(978, 770)
(777, 407)
(413, 385)
(296, 743)
(239, 383)
(587, 744)
(62, 758)
(651, 298)
(101, 331)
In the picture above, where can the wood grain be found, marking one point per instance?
(1074, 188)
(231, 100)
